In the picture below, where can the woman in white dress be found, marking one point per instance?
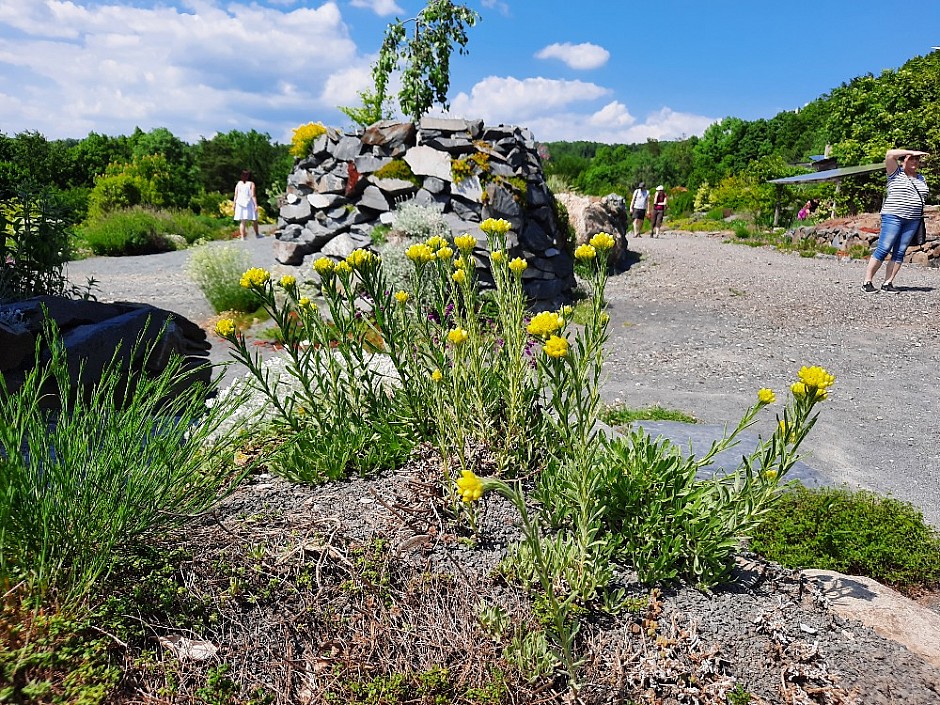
(246, 204)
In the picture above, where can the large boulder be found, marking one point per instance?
(139, 338)
(590, 215)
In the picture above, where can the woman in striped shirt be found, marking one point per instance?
(900, 215)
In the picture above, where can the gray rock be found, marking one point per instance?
(425, 161)
(391, 135)
(367, 163)
(435, 185)
(465, 210)
(297, 212)
(469, 189)
(291, 252)
(324, 201)
(344, 244)
(16, 343)
(535, 237)
(393, 188)
(471, 127)
(347, 149)
(884, 610)
(330, 183)
(373, 199)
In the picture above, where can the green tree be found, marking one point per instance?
(426, 56)
(373, 109)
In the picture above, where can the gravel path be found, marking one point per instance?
(699, 325)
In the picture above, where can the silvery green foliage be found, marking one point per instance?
(420, 221)
(397, 267)
(256, 411)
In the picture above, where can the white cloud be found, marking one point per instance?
(576, 56)
(565, 110)
(70, 67)
(343, 87)
(508, 99)
(382, 8)
(498, 5)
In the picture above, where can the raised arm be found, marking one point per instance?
(893, 155)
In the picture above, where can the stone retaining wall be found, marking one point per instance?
(843, 235)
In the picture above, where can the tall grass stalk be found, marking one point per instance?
(118, 461)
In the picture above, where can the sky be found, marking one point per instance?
(607, 71)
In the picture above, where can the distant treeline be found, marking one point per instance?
(101, 173)
(729, 165)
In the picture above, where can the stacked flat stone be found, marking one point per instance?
(334, 200)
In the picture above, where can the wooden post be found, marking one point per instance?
(777, 205)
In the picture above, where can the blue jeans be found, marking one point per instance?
(895, 236)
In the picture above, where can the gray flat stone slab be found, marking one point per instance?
(701, 437)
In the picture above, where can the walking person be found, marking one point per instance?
(638, 205)
(900, 215)
(246, 204)
(659, 210)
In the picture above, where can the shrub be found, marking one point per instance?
(34, 245)
(143, 231)
(217, 270)
(857, 533)
(123, 460)
(208, 203)
(303, 137)
(398, 169)
(421, 222)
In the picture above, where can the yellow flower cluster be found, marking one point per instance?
(459, 276)
(766, 396)
(518, 266)
(343, 268)
(602, 241)
(436, 242)
(304, 302)
(545, 323)
(813, 382)
(465, 243)
(816, 377)
(585, 252)
(287, 281)
(457, 336)
(459, 263)
(360, 258)
(445, 253)
(225, 327)
(255, 277)
(556, 347)
(420, 253)
(437, 375)
(401, 296)
(497, 257)
(323, 266)
(469, 486)
(495, 226)
(303, 137)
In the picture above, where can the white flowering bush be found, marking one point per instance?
(421, 222)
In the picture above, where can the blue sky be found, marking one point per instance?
(593, 70)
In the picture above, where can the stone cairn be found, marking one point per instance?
(337, 194)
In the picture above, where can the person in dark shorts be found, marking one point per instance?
(638, 205)
(659, 210)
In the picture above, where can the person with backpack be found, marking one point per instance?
(659, 210)
(638, 205)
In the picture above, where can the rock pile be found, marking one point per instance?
(349, 183)
(93, 333)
